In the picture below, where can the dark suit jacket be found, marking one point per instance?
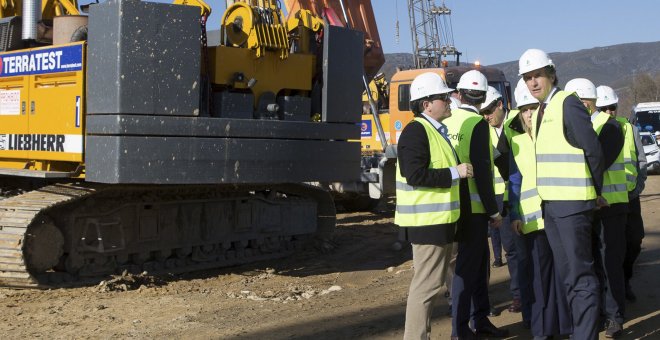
(414, 158)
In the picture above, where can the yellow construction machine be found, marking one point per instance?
(127, 143)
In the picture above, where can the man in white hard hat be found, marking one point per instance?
(494, 116)
(427, 197)
(635, 167)
(469, 135)
(495, 113)
(549, 315)
(569, 169)
(609, 221)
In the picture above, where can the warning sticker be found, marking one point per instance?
(10, 102)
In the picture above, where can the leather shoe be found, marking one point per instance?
(497, 263)
(493, 312)
(468, 336)
(490, 330)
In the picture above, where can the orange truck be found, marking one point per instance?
(378, 164)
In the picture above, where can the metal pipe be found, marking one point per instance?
(31, 16)
(372, 104)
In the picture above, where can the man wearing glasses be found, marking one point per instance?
(635, 165)
(495, 113)
(427, 197)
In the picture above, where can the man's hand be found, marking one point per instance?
(517, 225)
(465, 170)
(601, 202)
(496, 221)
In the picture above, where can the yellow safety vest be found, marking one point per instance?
(522, 149)
(561, 169)
(615, 189)
(460, 127)
(423, 206)
(629, 153)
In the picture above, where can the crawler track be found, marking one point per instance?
(74, 234)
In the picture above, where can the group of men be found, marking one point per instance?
(562, 172)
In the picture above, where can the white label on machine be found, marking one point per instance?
(42, 142)
(387, 136)
(10, 102)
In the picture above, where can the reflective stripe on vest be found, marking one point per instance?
(629, 153)
(561, 169)
(615, 189)
(460, 127)
(522, 149)
(422, 206)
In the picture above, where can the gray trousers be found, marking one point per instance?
(430, 264)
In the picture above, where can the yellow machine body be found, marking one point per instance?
(42, 112)
(256, 25)
(267, 73)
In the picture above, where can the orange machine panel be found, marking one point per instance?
(360, 15)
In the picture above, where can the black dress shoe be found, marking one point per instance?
(497, 263)
(468, 336)
(493, 312)
(490, 330)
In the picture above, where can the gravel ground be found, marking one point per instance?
(357, 290)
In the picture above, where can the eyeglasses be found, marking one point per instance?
(443, 96)
(609, 107)
(487, 112)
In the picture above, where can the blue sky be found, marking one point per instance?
(494, 31)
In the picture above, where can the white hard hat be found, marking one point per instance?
(533, 59)
(522, 94)
(473, 80)
(428, 84)
(491, 96)
(606, 96)
(584, 88)
(455, 103)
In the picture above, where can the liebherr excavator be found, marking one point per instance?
(125, 144)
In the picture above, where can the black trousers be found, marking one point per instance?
(609, 252)
(570, 240)
(550, 313)
(634, 236)
(469, 289)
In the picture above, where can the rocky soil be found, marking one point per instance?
(355, 291)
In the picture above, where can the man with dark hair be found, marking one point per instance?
(635, 167)
(495, 113)
(427, 197)
(470, 136)
(610, 221)
(569, 165)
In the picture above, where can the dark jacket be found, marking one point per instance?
(611, 141)
(414, 158)
(480, 147)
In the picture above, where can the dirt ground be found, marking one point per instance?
(357, 291)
